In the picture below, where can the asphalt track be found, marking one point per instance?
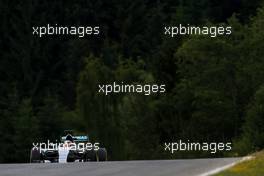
(192, 167)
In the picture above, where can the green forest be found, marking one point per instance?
(214, 86)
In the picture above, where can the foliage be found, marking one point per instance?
(213, 85)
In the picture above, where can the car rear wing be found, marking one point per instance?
(76, 138)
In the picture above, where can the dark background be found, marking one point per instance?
(215, 88)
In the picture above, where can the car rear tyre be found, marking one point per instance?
(71, 157)
(36, 156)
(102, 154)
(91, 156)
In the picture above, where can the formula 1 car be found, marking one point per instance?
(71, 149)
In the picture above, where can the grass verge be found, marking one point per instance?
(252, 167)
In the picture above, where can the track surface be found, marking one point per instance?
(192, 167)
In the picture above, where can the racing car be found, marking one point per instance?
(68, 150)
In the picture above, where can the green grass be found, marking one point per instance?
(252, 167)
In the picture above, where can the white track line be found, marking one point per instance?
(217, 170)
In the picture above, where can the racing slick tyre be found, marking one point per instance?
(102, 154)
(90, 155)
(36, 156)
(70, 157)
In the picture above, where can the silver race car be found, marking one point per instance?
(70, 149)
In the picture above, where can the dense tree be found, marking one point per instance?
(253, 127)
(49, 84)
